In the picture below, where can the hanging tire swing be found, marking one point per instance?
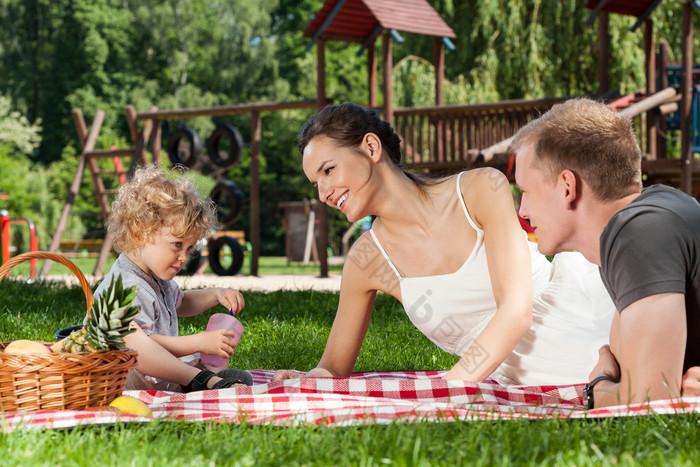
(184, 147)
(228, 198)
(225, 146)
(193, 263)
(218, 246)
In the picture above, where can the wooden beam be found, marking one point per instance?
(603, 52)
(440, 128)
(255, 140)
(650, 55)
(155, 142)
(650, 102)
(439, 54)
(321, 75)
(224, 110)
(131, 117)
(387, 68)
(687, 96)
(81, 129)
(109, 153)
(322, 211)
(662, 140)
(89, 145)
(372, 75)
(156, 145)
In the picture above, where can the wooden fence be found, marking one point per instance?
(456, 136)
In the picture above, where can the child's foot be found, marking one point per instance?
(242, 376)
(205, 379)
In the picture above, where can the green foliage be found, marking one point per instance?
(57, 55)
(16, 132)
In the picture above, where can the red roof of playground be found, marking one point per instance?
(625, 7)
(358, 20)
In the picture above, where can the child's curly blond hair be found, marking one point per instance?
(151, 201)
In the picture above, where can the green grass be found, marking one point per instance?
(289, 330)
(266, 265)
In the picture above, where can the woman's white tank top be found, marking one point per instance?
(453, 309)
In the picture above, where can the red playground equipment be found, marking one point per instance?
(5, 222)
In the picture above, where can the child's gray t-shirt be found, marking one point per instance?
(158, 299)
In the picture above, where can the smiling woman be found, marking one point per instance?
(452, 251)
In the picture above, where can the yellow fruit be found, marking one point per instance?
(24, 346)
(131, 405)
(58, 346)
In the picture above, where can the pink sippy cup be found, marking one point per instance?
(222, 321)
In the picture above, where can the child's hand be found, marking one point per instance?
(231, 299)
(218, 342)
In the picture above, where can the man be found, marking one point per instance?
(579, 168)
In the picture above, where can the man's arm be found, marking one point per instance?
(649, 348)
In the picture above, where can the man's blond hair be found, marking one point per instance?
(590, 139)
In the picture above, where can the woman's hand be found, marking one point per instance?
(317, 372)
(218, 342)
(281, 375)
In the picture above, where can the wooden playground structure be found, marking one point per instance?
(150, 132)
(437, 137)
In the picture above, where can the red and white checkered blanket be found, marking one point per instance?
(366, 398)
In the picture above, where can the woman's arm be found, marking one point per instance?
(351, 320)
(490, 203)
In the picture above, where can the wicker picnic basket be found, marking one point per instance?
(61, 381)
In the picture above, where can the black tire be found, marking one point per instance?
(215, 247)
(184, 147)
(228, 198)
(229, 155)
(193, 263)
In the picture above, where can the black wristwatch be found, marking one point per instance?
(587, 395)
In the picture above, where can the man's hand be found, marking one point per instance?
(607, 365)
(690, 385)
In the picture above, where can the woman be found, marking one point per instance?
(453, 253)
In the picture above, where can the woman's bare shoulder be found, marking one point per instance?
(366, 269)
(487, 193)
(483, 178)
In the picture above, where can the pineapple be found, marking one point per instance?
(110, 317)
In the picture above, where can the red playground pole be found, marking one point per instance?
(5, 234)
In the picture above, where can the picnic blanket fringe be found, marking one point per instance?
(366, 398)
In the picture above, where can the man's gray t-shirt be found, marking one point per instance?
(652, 246)
(158, 299)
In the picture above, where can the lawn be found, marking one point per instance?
(289, 329)
(266, 265)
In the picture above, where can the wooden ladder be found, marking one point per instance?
(88, 158)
